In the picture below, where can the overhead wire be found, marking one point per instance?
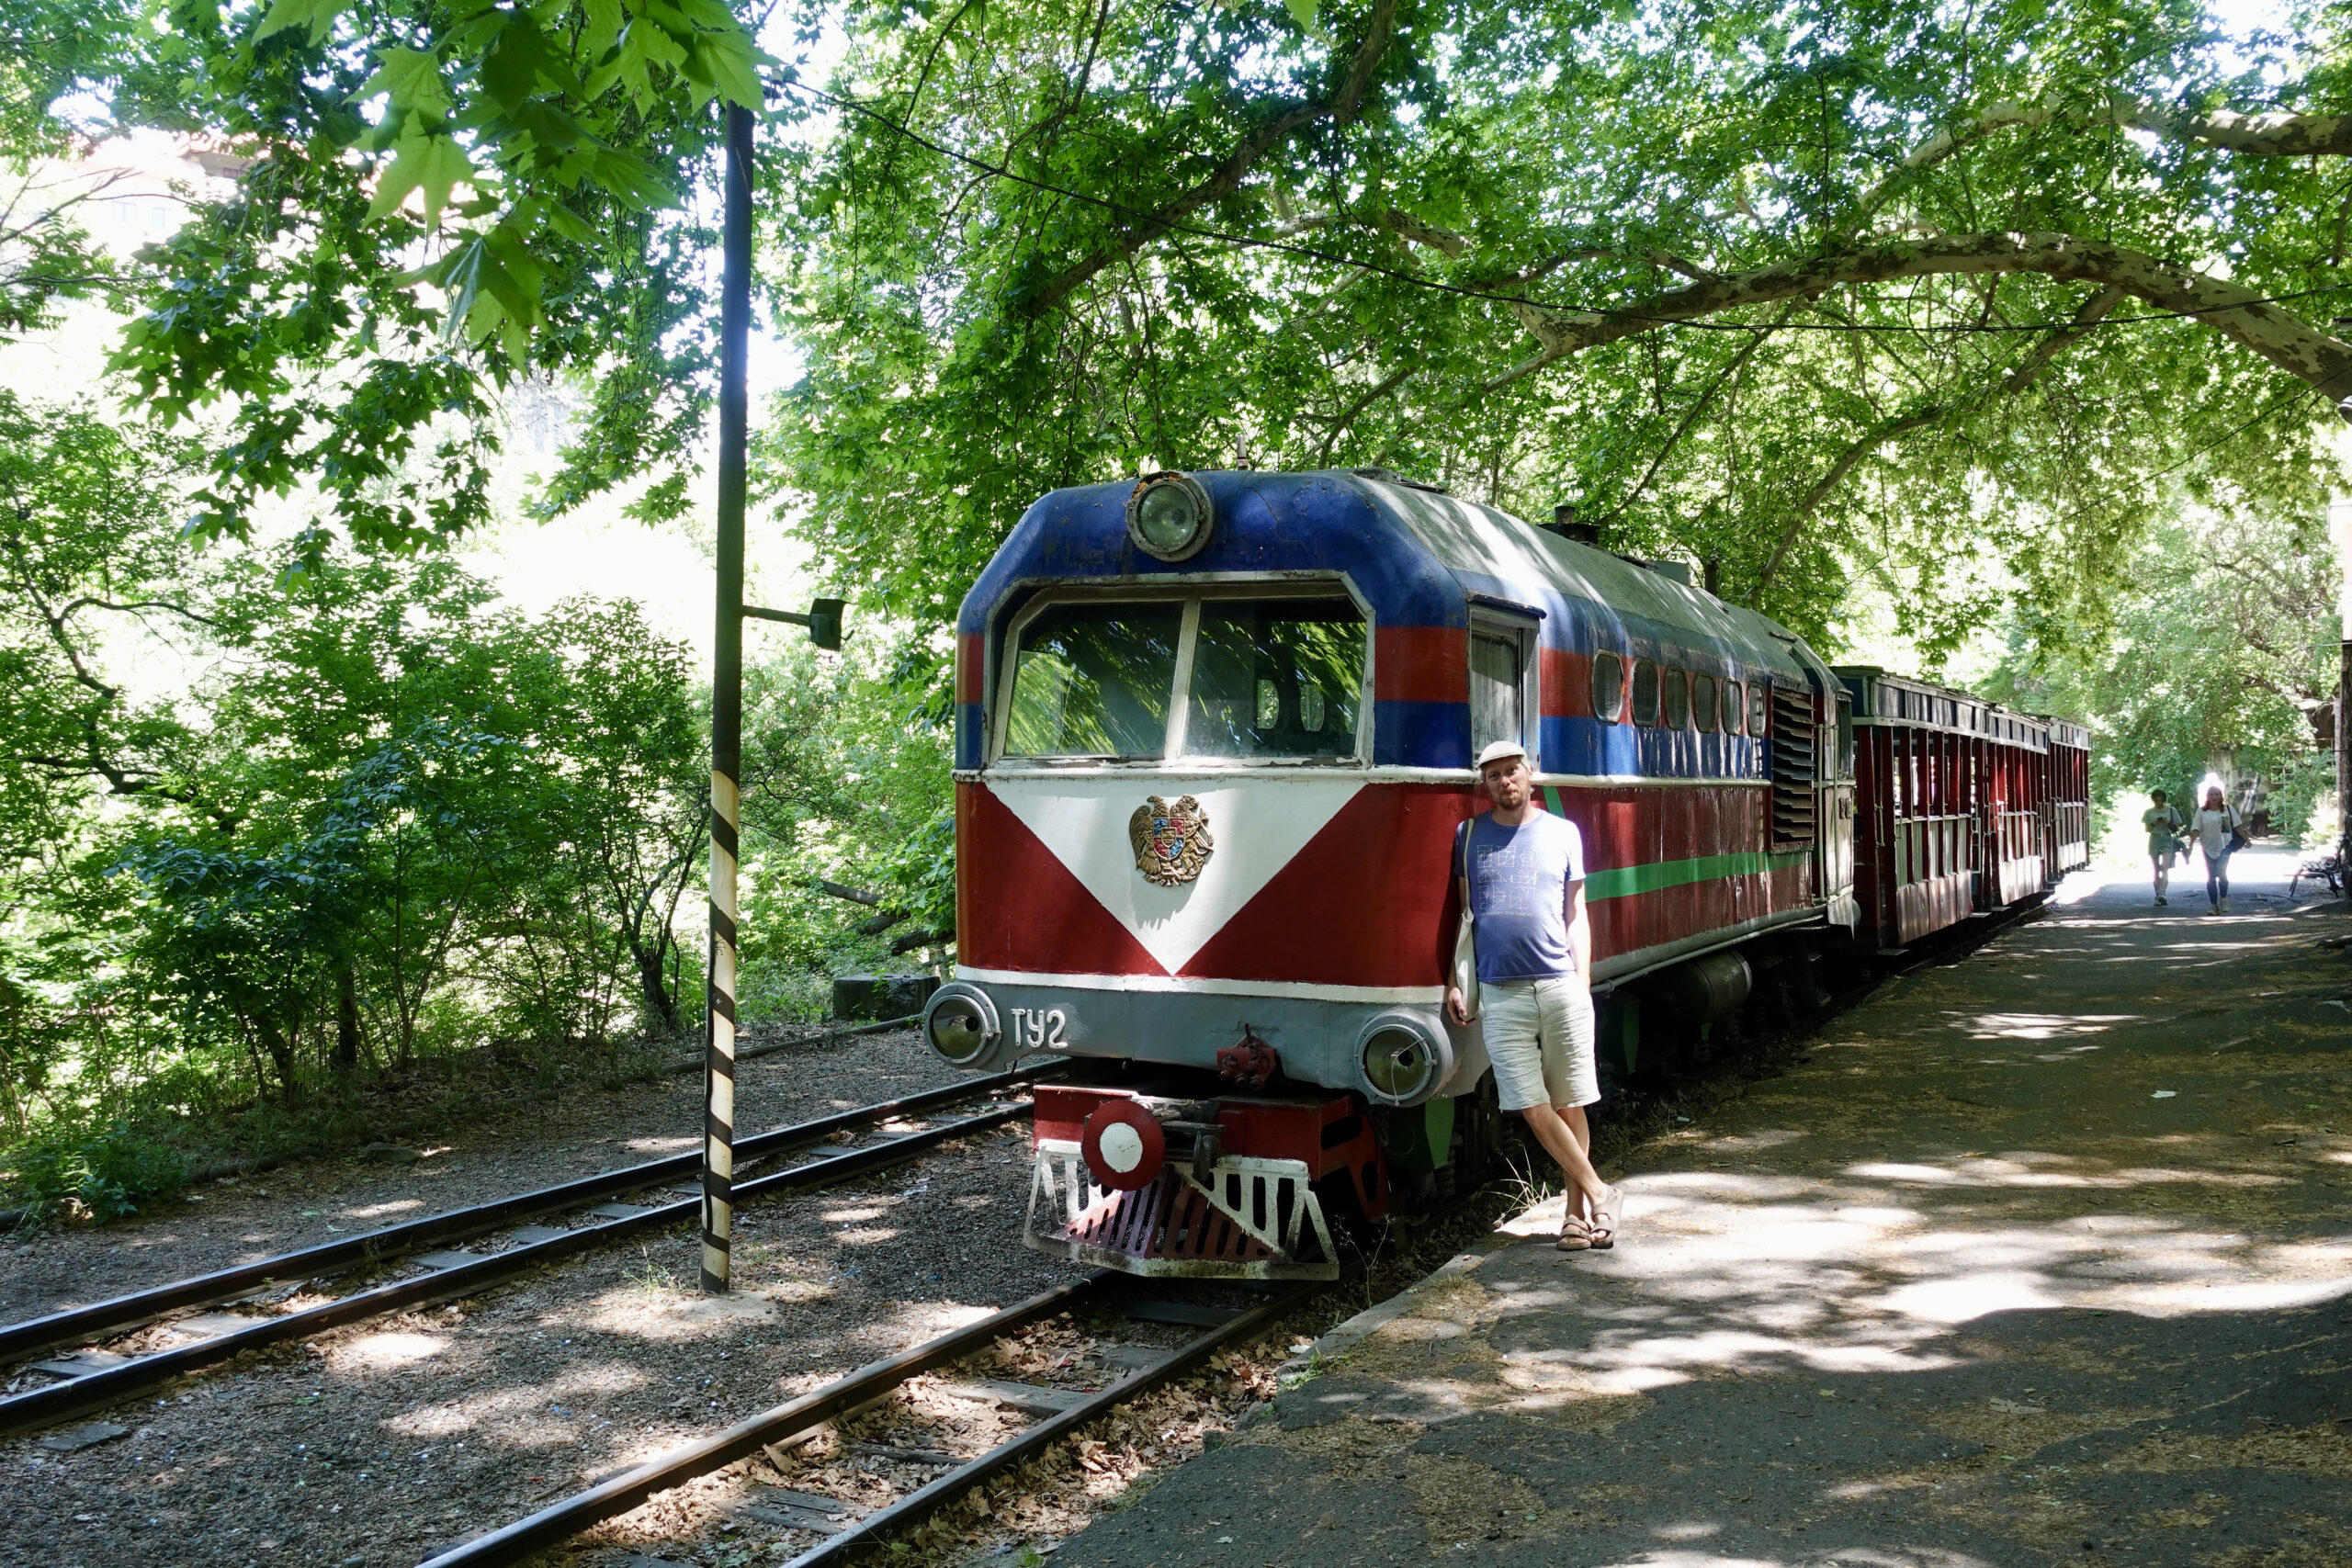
(1420, 280)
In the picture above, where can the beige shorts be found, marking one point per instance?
(1539, 1037)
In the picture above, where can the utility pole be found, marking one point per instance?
(2339, 531)
(824, 623)
(727, 707)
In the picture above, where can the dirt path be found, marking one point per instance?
(2040, 1257)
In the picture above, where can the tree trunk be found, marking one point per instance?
(281, 1057)
(660, 1001)
(347, 1020)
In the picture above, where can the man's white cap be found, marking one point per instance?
(1496, 751)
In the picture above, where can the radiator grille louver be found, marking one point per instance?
(1791, 750)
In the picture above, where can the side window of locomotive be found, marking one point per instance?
(1645, 692)
(1760, 698)
(1494, 687)
(1094, 681)
(1276, 678)
(1608, 687)
(1732, 705)
(1678, 699)
(1703, 702)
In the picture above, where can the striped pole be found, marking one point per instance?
(727, 709)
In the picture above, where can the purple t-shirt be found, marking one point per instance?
(1518, 883)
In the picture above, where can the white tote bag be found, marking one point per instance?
(1465, 945)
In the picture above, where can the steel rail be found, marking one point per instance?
(92, 1391)
(560, 1521)
(78, 1325)
(868, 1533)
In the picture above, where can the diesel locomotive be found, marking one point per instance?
(1214, 734)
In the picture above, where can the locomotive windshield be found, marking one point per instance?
(1094, 679)
(1268, 678)
(1276, 678)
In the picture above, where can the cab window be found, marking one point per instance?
(1276, 678)
(1094, 681)
(1497, 669)
(1703, 702)
(1645, 692)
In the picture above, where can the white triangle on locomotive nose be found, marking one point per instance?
(1257, 825)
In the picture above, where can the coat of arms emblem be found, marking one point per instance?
(1171, 841)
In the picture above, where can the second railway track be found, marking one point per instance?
(86, 1381)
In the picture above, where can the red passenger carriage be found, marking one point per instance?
(1214, 734)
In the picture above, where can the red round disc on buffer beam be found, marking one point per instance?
(1123, 1145)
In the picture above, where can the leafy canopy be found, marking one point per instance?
(1793, 291)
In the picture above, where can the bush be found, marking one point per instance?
(104, 1176)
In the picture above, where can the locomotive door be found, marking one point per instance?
(1834, 847)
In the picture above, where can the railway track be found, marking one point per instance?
(1060, 1412)
(864, 1388)
(57, 1344)
(876, 1381)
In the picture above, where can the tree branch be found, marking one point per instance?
(1706, 399)
(1372, 395)
(2037, 359)
(2285, 340)
(2027, 370)
(1339, 108)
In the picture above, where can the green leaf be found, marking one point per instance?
(570, 225)
(427, 161)
(734, 66)
(1304, 13)
(316, 15)
(411, 78)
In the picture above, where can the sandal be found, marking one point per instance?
(1575, 1234)
(1605, 1214)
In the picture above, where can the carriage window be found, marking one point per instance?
(1094, 681)
(1495, 672)
(1276, 678)
(1759, 696)
(1678, 699)
(1645, 692)
(1608, 687)
(1703, 702)
(1732, 705)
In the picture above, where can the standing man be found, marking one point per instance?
(1522, 876)
(2164, 824)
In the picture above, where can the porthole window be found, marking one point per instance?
(1759, 697)
(1731, 707)
(1675, 687)
(1645, 692)
(1703, 702)
(1608, 688)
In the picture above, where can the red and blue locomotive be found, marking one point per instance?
(1214, 737)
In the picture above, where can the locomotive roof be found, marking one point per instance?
(1420, 557)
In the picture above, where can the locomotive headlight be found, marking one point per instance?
(1403, 1058)
(1168, 515)
(960, 1023)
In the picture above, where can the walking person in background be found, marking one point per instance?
(2216, 828)
(2161, 820)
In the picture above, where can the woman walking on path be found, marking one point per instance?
(2164, 824)
(2216, 827)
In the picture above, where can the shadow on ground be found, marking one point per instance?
(2037, 1258)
